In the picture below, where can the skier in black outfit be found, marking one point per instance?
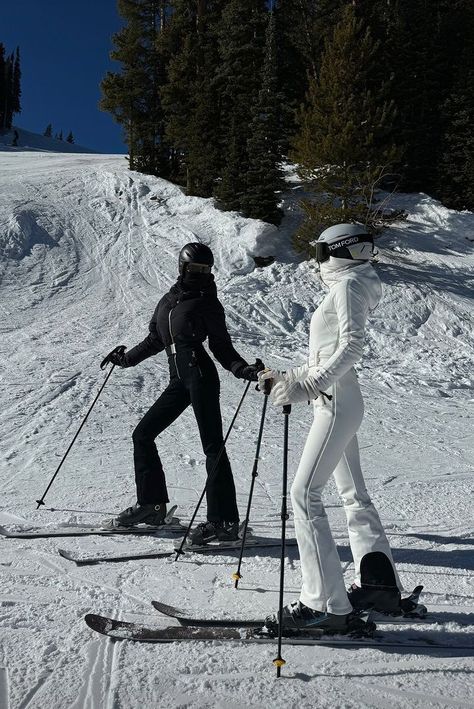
(188, 314)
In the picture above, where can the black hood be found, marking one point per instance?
(193, 285)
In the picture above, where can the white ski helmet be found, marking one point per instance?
(350, 241)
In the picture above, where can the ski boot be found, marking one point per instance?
(154, 515)
(384, 599)
(209, 531)
(379, 592)
(298, 618)
(411, 607)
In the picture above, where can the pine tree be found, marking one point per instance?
(190, 98)
(8, 92)
(455, 174)
(344, 145)
(10, 87)
(456, 168)
(70, 138)
(419, 44)
(48, 131)
(3, 88)
(241, 47)
(264, 177)
(60, 136)
(292, 66)
(302, 29)
(133, 95)
(16, 83)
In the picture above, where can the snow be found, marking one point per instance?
(86, 249)
(28, 141)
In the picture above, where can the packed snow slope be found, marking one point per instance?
(86, 250)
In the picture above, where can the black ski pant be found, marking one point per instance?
(193, 380)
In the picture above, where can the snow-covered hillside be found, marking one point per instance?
(86, 249)
(28, 141)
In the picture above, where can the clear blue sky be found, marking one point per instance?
(64, 47)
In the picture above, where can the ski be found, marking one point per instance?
(93, 559)
(211, 548)
(122, 630)
(187, 619)
(171, 525)
(250, 542)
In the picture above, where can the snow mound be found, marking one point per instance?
(21, 233)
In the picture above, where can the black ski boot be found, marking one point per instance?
(209, 531)
(298, 618)
(138, 514)
(378, 590)
(411, 606)
(384, 599)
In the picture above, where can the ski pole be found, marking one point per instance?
(119, 350)
(279, 661)
(211, 475)
(266, 390)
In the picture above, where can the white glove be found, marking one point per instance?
(284, 393)
(269, 376)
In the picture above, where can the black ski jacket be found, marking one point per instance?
(185, 318)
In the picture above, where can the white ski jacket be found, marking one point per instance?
(337, 328)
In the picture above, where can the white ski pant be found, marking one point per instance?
(331, 448)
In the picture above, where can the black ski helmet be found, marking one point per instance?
(195, 257)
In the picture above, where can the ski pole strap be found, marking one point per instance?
(326, 396)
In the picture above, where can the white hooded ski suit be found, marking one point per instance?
(336, 342)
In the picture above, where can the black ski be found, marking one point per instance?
(211, 548)
(250, 542)
(121, 630)
(99, 559)
(173, 525)
(187, 619)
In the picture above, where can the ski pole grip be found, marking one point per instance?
(267, 386)
(117, 350)
(287, 409)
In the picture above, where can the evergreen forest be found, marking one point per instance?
(362, 95)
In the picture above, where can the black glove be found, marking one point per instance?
(250, 371)
(116, 357)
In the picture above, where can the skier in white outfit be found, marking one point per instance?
(336, 343)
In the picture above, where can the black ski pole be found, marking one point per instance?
(211, 475)
(266, 390)
(119, 350)
(279, 661)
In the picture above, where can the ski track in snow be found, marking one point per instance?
(86, 249)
